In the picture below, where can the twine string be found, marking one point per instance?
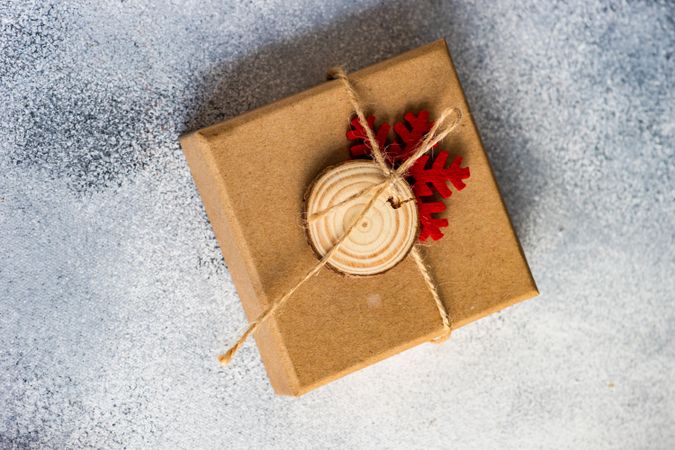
(391, 176)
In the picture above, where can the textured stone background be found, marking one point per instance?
(115, 298)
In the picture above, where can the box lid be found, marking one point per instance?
(252, 173)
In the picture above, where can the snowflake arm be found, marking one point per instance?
(430, 226)
(358, 134)
(437, 176)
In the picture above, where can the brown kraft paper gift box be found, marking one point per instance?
(252, 173)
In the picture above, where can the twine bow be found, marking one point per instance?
(391, 176)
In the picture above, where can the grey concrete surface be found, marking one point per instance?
(114, 298)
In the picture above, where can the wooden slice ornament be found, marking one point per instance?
(381, 239)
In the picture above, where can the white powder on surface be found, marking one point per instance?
(115, 300)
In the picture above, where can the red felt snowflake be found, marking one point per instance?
(428, 176)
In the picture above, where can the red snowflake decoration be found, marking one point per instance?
(428, 176)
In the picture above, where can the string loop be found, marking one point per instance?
(437, 133)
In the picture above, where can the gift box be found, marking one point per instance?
(253, 173)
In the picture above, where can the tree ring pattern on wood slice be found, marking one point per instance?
(381, 239)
